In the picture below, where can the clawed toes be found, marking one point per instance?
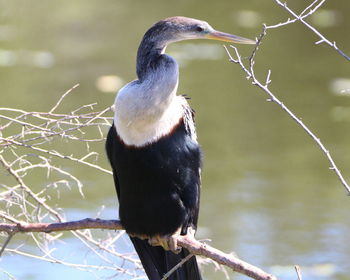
(167, 242)
(173, 244)
(153, 241)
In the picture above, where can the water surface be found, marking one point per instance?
(268, 194)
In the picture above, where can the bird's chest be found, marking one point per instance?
(148, 108)
(146, 112)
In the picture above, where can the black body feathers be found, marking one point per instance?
(158, 188)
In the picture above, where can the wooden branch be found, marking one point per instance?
(249, 70)
(236, 264)
(300, 18)
(64, 226)
(194, 246)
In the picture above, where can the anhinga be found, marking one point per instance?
(154, 154)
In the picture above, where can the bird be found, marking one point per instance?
(154, 154)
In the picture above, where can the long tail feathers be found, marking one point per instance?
(156, 262)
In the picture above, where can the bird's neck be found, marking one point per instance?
(148, 108)
(157, 72)
(149, 57)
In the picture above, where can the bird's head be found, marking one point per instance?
(182, 28)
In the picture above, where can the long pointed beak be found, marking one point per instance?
(226, 37)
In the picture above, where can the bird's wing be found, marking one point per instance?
(110, 149)
(189, 121)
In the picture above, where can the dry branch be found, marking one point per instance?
(250, 71)
(26, 151)
(301, 18)
(64, 226)
(194, 246)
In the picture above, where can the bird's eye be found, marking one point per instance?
(199, 29)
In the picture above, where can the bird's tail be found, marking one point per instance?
(156, 262)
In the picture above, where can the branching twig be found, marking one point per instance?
(57, 154)
(28, 190)
(26, 149)
(249, 70)
(301, 17)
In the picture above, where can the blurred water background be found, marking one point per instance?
(268, 194)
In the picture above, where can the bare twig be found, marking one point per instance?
(7, 241)
(198, 248)
(171, 271)
(298, 271)
(301, 17)
(57, 154)
(63, 226)
(57, 261)
(62, 97)
(251, 75)
(26, 149)
(308, 11)
(11, 277)
(28, 190)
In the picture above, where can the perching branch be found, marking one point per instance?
(250, 71)
(236, 264)
(191, 244)
(64, 226)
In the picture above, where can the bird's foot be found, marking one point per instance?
(168, 242)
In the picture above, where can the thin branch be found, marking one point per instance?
(236, 264)
(65, 226)
(251, 75)
(195, 247)
(302, 15)
(86, 239)
(28, 190)
(56, 261)
(12, 120)
(298, 271)
(171, 271)
(323, 39)
(26, 150)
(11, 277)
(7, 241)
(62, 97)
(56, 154)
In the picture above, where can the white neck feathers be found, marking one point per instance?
(145, 111)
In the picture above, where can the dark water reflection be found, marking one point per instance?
(267, 192)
